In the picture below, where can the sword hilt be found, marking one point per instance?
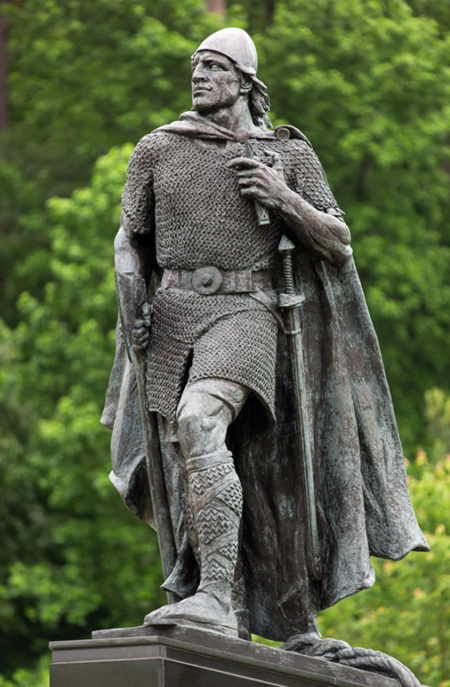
(285, 248)
(288, 299)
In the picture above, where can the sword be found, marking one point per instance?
(132, 297)
(291, 303)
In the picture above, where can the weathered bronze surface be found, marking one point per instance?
(252, 421)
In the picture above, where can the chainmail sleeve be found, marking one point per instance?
(310, 182)
(138, 198)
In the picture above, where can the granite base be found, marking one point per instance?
(176, 656)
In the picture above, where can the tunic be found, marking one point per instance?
(186, 194)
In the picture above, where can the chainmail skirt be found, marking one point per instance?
(230, 336)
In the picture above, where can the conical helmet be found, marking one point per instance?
(235, 44)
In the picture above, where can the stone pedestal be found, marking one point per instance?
(183, 657)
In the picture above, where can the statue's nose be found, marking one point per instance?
(198, 75)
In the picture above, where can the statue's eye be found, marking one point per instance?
(216, 67)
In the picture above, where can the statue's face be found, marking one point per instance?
(216, 83)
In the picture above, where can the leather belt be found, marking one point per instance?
(209, 280)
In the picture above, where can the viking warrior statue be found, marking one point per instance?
(252, 421)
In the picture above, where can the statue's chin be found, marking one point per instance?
(203, 108)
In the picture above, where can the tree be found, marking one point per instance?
(407, 612)
(86, 77)
(83, 78)
(62, 525)
(61, 575)
(368, 82)
(3, 69)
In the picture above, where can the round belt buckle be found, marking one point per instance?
(207, 280)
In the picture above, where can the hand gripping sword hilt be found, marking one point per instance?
(262, 213)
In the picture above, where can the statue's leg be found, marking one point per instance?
(206, 409)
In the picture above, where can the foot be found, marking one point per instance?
(205, 610)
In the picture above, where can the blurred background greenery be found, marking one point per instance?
(368, 81)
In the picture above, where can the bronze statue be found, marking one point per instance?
(252, 421)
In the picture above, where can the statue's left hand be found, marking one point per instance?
(260, 182)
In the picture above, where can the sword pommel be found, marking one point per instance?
(285, 247)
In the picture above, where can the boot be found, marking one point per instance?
(215, 496)
(239, 601)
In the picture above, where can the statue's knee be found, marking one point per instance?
(200, 420)
(189, 427)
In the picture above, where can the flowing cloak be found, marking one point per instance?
(363, 505)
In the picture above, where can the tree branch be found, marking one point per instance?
(217, 6)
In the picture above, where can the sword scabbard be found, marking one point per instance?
(291, 303)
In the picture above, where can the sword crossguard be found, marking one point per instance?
(289, 300)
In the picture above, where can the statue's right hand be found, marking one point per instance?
(141, 331)
(141, 335)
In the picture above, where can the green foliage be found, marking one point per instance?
(407, 612)
(438, 415)
(87, 76)
(36, 677)
(368, 81)
(62, 525)
(83, 78)
(68, 523)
